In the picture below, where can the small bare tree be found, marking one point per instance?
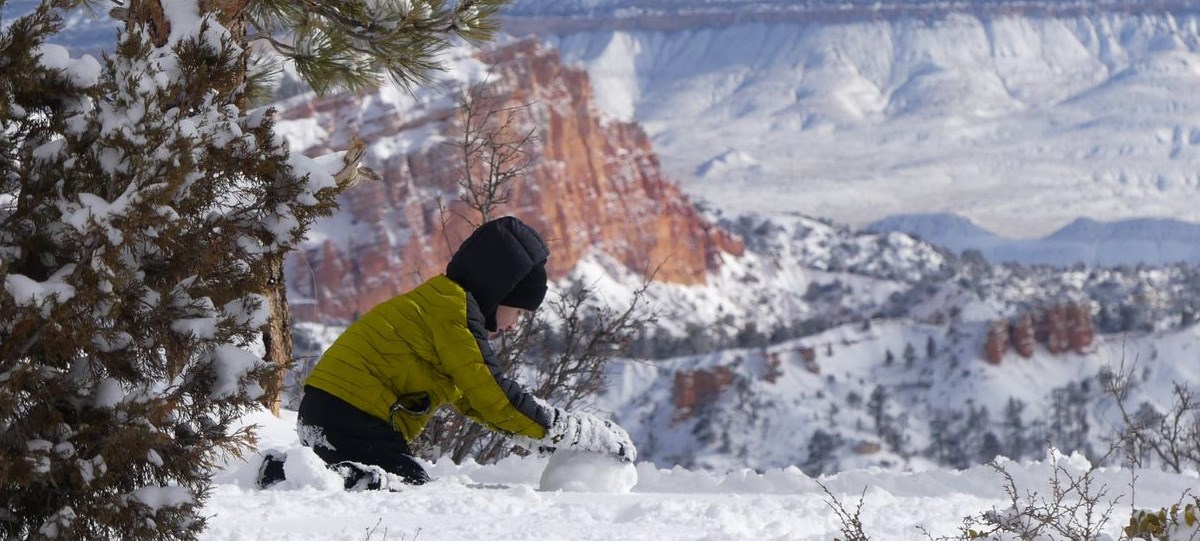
(1172, 437)
(496, 150)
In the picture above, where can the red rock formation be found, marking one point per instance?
(809, 357)
(1061, 327)
(867, 447)
(1054, 328)
(1022, 335)
(595, 185)
(997, 342)
(694, 388)
(685, 391)
(1080, 332)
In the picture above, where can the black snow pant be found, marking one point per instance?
(342, 435)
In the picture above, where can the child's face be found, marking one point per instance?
(507, 317)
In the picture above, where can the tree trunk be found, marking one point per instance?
(277, 337)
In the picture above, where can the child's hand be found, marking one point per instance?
(586, 432)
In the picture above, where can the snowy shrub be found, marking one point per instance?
(1174, 524)
(140, 208)
(1076, 508)
(1168, 439)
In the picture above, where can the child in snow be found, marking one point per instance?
(378, 385)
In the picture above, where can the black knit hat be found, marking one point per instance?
(529, 292)
(503, 256)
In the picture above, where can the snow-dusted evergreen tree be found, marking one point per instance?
(822, 455)
(1015, 438)
(144, 210)
(141, 210)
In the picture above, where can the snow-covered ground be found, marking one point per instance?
(503, 501)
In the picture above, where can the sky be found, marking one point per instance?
(506, 501)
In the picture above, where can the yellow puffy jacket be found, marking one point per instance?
(428, 347)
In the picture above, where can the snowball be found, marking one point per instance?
(303, 468)
(580, 471)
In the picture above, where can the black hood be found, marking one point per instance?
(491, 262)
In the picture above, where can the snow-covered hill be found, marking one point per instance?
(1149, 241)
(896, 394)
(502, 501)
(994, 110)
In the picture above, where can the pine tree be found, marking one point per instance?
(146, 210)
(990, 448)
(877, 409)
(822, 453)
(144, 213)
(1015, 436)
(343, 44)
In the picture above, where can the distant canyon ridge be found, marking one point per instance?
(594, 187)
(1022, 117)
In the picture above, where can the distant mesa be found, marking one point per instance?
(1151, 241)
(948, 229)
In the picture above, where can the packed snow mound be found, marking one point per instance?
(581, 471)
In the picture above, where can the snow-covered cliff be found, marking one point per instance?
(991, 113)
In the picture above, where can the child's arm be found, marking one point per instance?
(497, 402)
(489, 396)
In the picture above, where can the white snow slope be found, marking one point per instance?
(991, 116)
(500, 502)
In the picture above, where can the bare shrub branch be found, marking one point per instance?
(1172, 436)
(495, 149)
(564, 355)
(850, 521)
(1076, 509)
